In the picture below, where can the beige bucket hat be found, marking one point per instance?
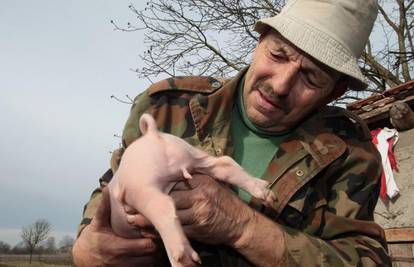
(332, 31)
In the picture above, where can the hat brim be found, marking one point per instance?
(317, 44)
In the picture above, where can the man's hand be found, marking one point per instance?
(98, 245)
(211, 213)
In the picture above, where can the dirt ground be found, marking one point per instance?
(400, 212)
(55, 260)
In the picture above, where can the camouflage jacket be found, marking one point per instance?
(325, 175)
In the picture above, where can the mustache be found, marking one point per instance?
(267, 91)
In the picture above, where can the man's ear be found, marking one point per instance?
(264, 33)
(261, 37)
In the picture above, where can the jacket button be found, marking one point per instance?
(219, 151)
(299, 173)
(324, 150)
(215, 84)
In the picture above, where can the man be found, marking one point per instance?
(273, 120)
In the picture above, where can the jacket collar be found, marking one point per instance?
(210, 111)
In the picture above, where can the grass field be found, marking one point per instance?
(55, 260)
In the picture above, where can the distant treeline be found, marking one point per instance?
(48, 246)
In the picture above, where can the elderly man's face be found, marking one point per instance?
(283, 84)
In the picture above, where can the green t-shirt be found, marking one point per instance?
(253, 148)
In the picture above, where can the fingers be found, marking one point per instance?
(139, 221)
(99, 245)
(129, 210)
(186, 216)
(183, 185)
(189, 184)
(143, 225)
(183, 199)
(104, 248)
(147, 233)
(103, 212)
(137, 247)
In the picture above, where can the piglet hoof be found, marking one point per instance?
(270, 199)
(184, 257)
(262, 193)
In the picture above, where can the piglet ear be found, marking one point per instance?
(147, 124)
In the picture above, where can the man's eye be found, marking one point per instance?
(310, 78)
(311, 81)
(278, 56)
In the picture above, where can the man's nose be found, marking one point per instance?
(285, 78)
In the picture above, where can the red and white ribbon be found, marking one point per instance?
(385, 140)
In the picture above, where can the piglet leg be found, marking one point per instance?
(160, 210)
(227, 170)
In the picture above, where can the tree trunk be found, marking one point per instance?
(401, 43)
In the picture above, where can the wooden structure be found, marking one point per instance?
(401, 246)
(374, 109)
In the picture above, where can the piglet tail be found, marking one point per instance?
(147, 124)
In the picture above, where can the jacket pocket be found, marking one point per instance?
(304, 209)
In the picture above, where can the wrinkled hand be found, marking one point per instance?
(210, 212)
(98, 245)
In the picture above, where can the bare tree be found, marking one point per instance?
(4, 247)
(35, 233)
(215, 37)
(19, 249)
(390, 62)
(50, 245)
(198, 37)
(66, 243)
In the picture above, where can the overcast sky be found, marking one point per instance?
(60, 60)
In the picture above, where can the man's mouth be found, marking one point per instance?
(265, 103)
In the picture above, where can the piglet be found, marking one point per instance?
(150, 167)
